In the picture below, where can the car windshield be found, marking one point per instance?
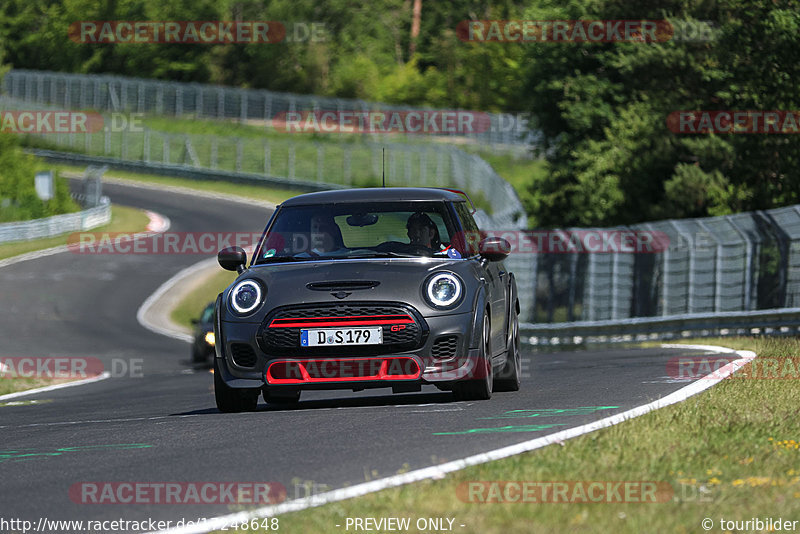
(356, 230)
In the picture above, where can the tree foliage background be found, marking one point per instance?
(601, 107)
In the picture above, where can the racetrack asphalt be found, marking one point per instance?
(161, 424)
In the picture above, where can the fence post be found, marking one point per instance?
(347, 171)
(96, 95)
(40, 89)
(291, 160)
(320, 160)
(123, 95)
(267, 108)
(53, 90)
(692, 260)
(160, 99)
(140, 90)
(748, 269)
(589, 296)
(146, 146)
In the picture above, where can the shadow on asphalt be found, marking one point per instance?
(443, 397)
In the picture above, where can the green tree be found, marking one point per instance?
(603, 108)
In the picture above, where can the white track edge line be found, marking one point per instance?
(141, 314)
(44, 389)
(439, 471)
(157, 224)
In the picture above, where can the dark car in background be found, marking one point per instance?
(367, 288)
(203, 344)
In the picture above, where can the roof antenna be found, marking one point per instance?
(383, 165)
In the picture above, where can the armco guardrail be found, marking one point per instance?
(734, 263)
(57, 224)
(506, 133)
(782, 321)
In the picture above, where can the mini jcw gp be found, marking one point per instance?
(367, 288)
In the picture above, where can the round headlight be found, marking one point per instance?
(245, 296)
(443, 289)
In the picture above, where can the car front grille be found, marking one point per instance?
(444, 347)
(402, 327)
(243, 355)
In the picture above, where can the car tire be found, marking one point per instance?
(283, 397)
(480, 389)
(509, 378)
(232, 400)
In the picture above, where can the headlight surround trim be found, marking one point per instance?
(256, 287)
(439, 276)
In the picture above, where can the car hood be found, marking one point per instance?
(337, 281)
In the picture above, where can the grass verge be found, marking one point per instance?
(729, 453)
(123, 219)
(276, 195)
(13, 385)
(193, 303)
(335, 158)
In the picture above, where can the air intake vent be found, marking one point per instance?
(243, 355)
(342, 285)
(445, 347)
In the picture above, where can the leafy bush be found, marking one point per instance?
(18, 199)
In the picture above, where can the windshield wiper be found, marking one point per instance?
(276, 259)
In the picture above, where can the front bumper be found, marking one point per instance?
(309, 371)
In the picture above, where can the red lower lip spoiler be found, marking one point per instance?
(315, 371)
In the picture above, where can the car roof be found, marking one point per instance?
(375, 194)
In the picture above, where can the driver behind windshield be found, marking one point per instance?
(422, 231)
(325, 235)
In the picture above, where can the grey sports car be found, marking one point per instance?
(367, 288)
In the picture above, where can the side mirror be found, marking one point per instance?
(494, 248)
(232, 259)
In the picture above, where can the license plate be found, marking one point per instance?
(341, 336)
